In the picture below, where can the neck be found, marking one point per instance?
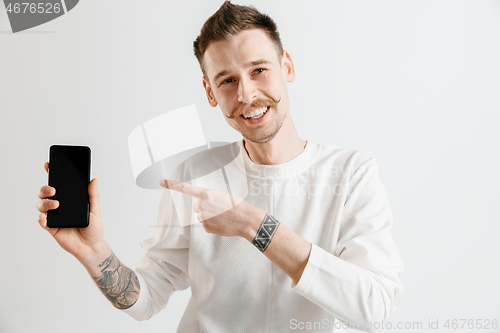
(284, 147)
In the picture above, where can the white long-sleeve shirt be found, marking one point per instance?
(330, 196)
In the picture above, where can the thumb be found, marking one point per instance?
(93, 195)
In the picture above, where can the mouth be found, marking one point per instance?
(257, 116)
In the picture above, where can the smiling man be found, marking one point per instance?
(309, 245)
(246, 76)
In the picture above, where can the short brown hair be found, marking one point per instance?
(230, 20)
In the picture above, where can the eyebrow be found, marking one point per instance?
(248, 64)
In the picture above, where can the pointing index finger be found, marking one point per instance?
(182, 187)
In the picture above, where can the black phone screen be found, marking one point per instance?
(69, 174)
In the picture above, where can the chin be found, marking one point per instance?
(257, 136)
(264, 139)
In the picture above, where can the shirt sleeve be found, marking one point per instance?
(163, 269)
(360, 282)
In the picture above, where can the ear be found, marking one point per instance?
(210, 93)
(287, 65)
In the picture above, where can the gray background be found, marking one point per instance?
(412, 83)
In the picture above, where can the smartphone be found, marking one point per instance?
(69, 174)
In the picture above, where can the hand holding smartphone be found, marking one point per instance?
(69, 174)
(87, 243)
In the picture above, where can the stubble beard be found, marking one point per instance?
(260, 136)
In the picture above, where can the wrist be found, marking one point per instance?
(265, 233)
(255, 217)
(95, 257)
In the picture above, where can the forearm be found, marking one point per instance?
(370, 299)
(351, 293)
(117, 282)
(285, 248)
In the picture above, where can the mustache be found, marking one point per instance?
(259, 103)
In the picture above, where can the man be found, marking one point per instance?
(311, 245)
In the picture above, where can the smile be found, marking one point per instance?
(256, 116)
(257, 113)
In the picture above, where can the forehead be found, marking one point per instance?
(233, 54)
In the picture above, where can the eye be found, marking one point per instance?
(227, 81)
(259, 70)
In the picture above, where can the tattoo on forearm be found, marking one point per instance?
(118, 283)
(266, 232)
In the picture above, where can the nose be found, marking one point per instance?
(247, 91)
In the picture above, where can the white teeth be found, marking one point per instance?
(256, 114)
